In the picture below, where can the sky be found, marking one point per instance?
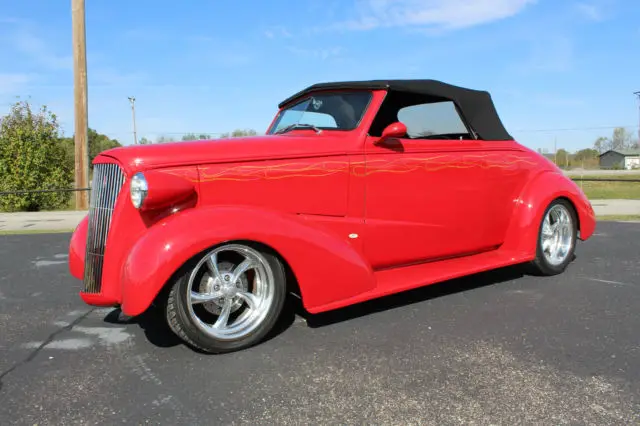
(560, 71)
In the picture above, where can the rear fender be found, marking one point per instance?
(326, 267)
(530, 206)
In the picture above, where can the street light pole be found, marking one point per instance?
(638, 95)
(133, 115)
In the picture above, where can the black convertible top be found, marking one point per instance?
(475, 106)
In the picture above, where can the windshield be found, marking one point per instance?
(331, 111)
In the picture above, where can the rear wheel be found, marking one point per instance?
(556, 239)
(228, 299)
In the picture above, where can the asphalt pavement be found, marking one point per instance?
(494, 348)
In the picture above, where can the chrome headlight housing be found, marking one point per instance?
(139, 189)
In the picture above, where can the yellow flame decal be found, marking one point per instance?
(305, 169)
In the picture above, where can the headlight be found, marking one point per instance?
(139, 189)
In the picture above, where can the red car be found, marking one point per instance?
(358, 190)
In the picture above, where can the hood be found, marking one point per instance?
(251, 148)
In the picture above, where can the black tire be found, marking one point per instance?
(541, 265)
(184, 325)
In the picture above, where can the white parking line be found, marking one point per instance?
(598, 280)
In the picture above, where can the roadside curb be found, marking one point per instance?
(41, 221)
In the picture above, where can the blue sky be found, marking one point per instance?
(212, 66)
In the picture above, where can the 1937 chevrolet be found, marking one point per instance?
(358, 190)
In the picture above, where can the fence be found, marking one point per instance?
(32, 200)
(577, 179)
(42, 191)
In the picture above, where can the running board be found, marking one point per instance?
(391, 281)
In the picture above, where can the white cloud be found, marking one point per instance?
(9, 20)
(551, 53)
(157, 35)
(39, 51)
(321, 54)
(11, 83)
(278, 31)
(555, 100)
(442, 14)
(590, 11)
(107, 76)
(595, 10)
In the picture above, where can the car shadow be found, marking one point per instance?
(152, 322)
(158, 333)
(410, 297)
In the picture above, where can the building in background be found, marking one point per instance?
(620, 159)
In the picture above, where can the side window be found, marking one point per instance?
(433, 120)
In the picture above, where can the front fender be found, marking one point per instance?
(327, 268)
(530, 206)
(77, 247)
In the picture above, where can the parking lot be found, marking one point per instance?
(498, 348)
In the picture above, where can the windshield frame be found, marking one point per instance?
(274, 125)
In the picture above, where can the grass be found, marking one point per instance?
(610, 190)
(619, 218)
(35, 231)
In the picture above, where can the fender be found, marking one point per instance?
(77, 247)
(327, 268)
(530, 206)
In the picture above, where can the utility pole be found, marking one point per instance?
(555, 150)
(80, 103)
(133, 115)
(638, 95)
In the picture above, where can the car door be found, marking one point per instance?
(427, 198)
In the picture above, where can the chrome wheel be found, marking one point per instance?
(230, 292)
(556, 238)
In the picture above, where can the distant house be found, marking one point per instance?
(620, 159)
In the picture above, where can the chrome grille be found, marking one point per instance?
(107, 182)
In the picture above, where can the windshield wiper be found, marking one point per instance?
(298, 126)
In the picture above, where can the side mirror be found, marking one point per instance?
(394, 130)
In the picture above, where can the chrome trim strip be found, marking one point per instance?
(108, 180)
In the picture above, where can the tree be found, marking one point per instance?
(165, 139)
(239, 133)
(586, 154)
(621, 139)
(601, 144)
(32, 157)
(144, 141)
(562, 157)
(194, 137)
(97, 143)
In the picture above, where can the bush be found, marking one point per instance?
(32, 157)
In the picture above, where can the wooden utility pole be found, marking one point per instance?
(80, 101)
(133, 115)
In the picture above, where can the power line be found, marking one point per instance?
(574, 129)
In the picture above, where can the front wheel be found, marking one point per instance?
(228, 299)
(556, 239)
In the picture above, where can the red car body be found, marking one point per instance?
(354, 215)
